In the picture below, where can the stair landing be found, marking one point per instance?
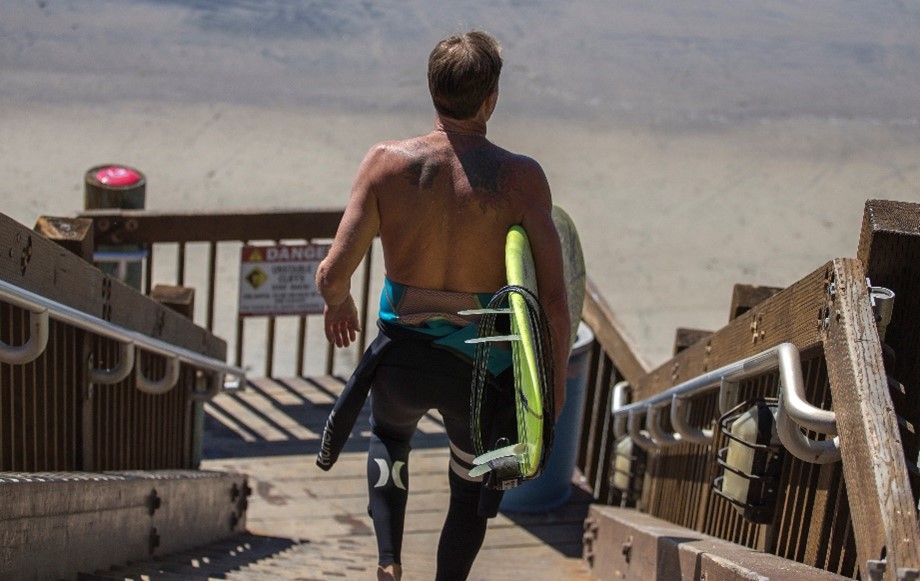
(271, 433)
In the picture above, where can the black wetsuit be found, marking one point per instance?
(411, 375)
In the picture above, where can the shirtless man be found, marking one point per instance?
(442, 204)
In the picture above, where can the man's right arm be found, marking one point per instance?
(356, 232)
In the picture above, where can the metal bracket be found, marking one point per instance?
(35, 346)
(877, 568)
(153, 502)
(120, 371)
(214, 381)
(162, 385)
(882, 300)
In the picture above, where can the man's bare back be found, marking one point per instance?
(446, 201)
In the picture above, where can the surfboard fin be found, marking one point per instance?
(502, 467)
(494, 339)
(512, 450)
(485, 312)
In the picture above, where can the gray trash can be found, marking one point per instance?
(553, 488)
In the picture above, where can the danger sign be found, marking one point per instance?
(279, 280)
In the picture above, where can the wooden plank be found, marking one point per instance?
(889, 248)
(791, 315)
(684, 338)
(145, 227)
(883, 513)
(634, 546)
(747, 296)
(610, 333)
(292, 498)
(32, 262)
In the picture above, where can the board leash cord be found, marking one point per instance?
(503, 465)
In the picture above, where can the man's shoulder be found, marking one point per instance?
(410, 147)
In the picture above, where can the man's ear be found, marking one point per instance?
(490, 103)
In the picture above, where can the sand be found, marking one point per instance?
(695, 145)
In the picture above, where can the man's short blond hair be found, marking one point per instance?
(463, 70)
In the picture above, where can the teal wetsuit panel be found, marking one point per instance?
(446, 326)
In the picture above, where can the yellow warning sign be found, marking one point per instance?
(279, 280)
(256, 277)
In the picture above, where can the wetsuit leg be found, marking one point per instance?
(412, 378)
(388, 492)
(471, 505)
(394, 416)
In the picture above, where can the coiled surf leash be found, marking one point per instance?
(503, 465)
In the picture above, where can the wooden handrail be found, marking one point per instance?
(611, 335)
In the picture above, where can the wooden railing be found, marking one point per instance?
(854, 517)
(203, 251)
(53, 415)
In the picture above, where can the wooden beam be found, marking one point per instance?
(609, 332)
(178, 298)
(883, 508)
(889, 248)
(144, 227)
(684, 338)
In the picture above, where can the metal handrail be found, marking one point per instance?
(35, 303)
(793, 410)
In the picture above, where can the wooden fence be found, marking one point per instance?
(203, 251)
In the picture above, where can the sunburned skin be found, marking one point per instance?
(441, 187)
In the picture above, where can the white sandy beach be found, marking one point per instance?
(695, 145)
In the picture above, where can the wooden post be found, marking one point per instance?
(747, 296)
(889, 248)
(182, 300)
(683, 338)
(178, 298)
(883, 508)
(74, 234)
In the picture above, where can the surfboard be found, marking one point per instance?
(527, 453)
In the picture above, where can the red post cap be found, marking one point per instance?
(117, 176)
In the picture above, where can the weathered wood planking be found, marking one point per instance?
(884, 518)
(889, 248)
(828, 308)
(50, 400)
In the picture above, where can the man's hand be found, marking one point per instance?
(342, 323)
